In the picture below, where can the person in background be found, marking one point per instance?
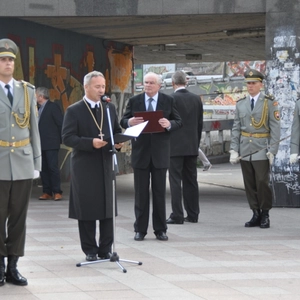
(20, 156)
(254, 142)
(85, 128)
(184, 151)
(295, 135)
(151, 155)
(206, 163)
(50, 123)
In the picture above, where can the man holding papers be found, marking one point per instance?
(151, 153)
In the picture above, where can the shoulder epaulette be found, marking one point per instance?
(28, 84)
(270, 97)
(241, 99)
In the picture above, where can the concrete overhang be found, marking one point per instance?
(161, 31)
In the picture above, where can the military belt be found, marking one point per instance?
(256, 135)
(16, 144)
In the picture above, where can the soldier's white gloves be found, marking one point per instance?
(294, 158)
(234, 157)
(36, 174)
(270, 156)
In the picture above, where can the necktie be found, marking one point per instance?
(252, 104)
(150, 107)
(9, 95)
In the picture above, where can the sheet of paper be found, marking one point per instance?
(135, 130)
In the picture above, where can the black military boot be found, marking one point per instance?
(255, 221)
(2, 270)
(265, 221)
(12, 274)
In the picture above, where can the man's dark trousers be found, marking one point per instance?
(50, 172)
(184, 169)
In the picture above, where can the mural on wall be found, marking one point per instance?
(220, 96)
(283, 82)
(119, 81)
(58, 60)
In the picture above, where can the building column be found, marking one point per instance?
(282, 81)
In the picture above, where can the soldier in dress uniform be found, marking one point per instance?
(254, 142)
(295, 135)
(20, 156)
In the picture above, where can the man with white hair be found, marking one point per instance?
(151, 155)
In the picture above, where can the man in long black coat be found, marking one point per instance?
(91, 166)
(151, 156)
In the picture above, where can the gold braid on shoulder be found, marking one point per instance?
(24, 122)
(264, 118)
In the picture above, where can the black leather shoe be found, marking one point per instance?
(2, 271)
(172, 221)
(255, 220)
(91, 257)
(104, 256)
(12, 274)
(188, 219)
(162, 236)
(139, 236)
(265, 221)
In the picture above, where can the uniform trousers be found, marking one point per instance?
(14, 199)
(142, 198)
(50, 173)
(183, 184)
(256, 181)
(87, 233)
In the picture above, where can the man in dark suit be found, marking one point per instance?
(151, 156)
(183, 162)
(50, 123)
(91, 191)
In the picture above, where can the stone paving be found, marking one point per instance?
(215, 259)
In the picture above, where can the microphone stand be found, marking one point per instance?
(114, 257)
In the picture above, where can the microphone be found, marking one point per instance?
(105, 98)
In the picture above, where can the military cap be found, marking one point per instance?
(8, 48)
(253, 75)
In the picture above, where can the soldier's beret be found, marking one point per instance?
(8, 48)
(253, 75)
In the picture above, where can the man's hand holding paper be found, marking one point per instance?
(135, 121)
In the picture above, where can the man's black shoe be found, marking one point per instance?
(255, 220)
(172, 221)
(265, 221)
(162, 236)
(139, 236)
(12, 274)
(104, 256)
(91, 257)
(188, 219)
(2, 271)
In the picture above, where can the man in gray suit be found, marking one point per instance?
(20, 155)
(254, 142)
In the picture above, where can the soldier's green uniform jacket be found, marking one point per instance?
(254, 130)
(295, 135)
(20, 148)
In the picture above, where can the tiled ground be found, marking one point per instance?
(215, 259)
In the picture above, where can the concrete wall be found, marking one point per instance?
(127, 7)
(283, 81)
(59, 59)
